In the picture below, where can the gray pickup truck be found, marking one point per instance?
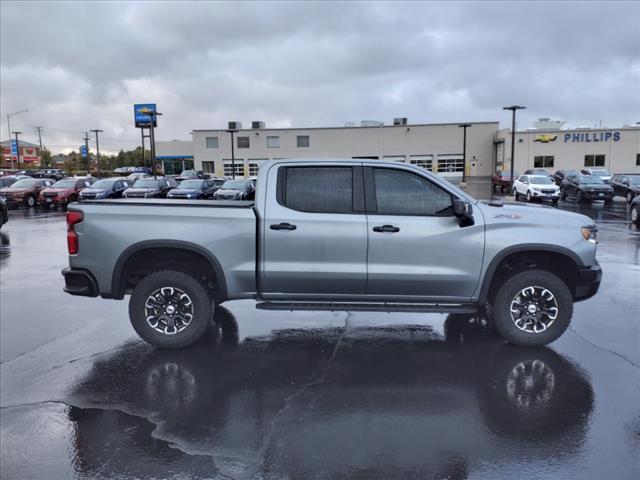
(335, 235)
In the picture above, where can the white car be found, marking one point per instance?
(598, 172)
(538, 187)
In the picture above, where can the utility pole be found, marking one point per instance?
(86, 146)
(97, 149)
(513, 109)
(464, 127)
(18, 147)
(39, 130)
(9, 115)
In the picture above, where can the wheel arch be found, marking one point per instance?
(554, 258)
(126, 260)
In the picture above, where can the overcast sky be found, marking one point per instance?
(78, 66)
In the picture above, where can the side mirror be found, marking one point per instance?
(464, 211)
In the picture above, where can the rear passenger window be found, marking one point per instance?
(318, 189)
(404, 193)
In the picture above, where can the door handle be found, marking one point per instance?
(386, 228)
(282, 226)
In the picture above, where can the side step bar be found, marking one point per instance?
(370, 307)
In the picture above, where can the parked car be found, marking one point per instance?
(325, 245)
(236, 190)
(194, 189)
(64, 191)
(598, 172)
(538, 187)
(148, 188)
(136, 175)
(7, 181)
(4, 212)
(560, 175)
(627, 186)
(635, 211)
(53, 173)
(538, 171)
(25, 191)
(502, 179)
(188, 174)
(588, 187)
(105, 188)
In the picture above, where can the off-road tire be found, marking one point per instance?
(635, 215)
(509, 288)
(202, 308)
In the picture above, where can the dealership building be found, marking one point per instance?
(436, 147)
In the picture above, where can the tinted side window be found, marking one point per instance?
(319, 189)
(405, 193)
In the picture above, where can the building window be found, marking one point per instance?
(212, 142)
(450, 164)
(319, 189)
(594, 160)
(273, 142)
(254, 165)
(243, 142)
(302, 141)
(424, 161)
(543, 162)
(228, 170)
(208, 167)
(637, 159)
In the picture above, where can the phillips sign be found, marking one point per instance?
(591, 137)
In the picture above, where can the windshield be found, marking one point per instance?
(634, 180)
(540, 180)
(233, 185)
(218, 183)
(191, 184)
(188, 173)
(24, 183)
(64, 184)
(103, 184)
(600, 173)
(146, 183)
(507, 173)
(590, 179)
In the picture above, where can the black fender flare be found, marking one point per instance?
(522, 248)
(118, 286)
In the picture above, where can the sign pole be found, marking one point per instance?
(17, 148)
(86, 151)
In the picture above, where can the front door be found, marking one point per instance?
(315, 232)
(417, 247)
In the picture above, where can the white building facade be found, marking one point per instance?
(616, 149)
(437, 147)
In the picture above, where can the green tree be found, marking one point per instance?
(45, 158)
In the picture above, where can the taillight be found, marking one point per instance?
(73, 217)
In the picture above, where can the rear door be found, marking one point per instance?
(314, 231)
(417, 247)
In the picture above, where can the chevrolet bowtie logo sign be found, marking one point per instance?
(544, 138)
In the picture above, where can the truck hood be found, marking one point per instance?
(57, 190)
(542, 215)
(141, 190)
(228, 192)
(599, 188)
(94, 190)
(184, 191)
(15, 190)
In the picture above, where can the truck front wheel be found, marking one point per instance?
(533, 307)
(170, 309)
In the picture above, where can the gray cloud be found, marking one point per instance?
(82, 65)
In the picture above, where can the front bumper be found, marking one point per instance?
(80, 282)
(598, 195)
(588, 282)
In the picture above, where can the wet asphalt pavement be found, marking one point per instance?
(278, 395)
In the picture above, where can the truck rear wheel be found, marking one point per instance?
(533, 307)
(170, 309)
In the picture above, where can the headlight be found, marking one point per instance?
(590, 233)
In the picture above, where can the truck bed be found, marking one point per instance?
(163, 202)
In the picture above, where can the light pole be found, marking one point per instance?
(233, 158)
(86, 150)
(9, 115)
(17, 148)
(464, 127)
(152, 140)
(96, 131)
(39, 130)
(513, 109)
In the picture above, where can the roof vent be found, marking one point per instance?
(257, 125)
(400, 121)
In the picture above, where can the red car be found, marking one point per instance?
(64, 191)
(25, 191)
(503, 179)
